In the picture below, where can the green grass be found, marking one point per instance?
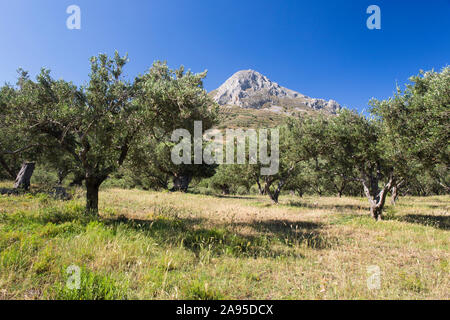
(150, 245)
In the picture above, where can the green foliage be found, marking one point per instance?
(119, 131)
(200, 290)
(231, 178)
(417, 117)
(417, 127)
(91, 130)
(44, 177)
(15, 146)
(93, 286)
(150, 162)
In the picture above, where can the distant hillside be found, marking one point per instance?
(237, 117)
(249, 99)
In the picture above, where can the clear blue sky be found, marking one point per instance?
(320, 48)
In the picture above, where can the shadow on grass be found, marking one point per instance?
(273, 238)
(226, 196)
(185, 232)
(188, 233)
(337, 206)
(292, 233)
(439, 222)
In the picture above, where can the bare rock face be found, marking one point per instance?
(251, 89)
(247, 84)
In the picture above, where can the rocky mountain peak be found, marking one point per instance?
(251, 89)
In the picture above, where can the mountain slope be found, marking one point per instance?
(251, 89)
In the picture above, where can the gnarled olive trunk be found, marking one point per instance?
(394, 191)
(394, 195)
(92, 189)
(375, 195)
(24, 176)
(274, 194)
(181, 183)
(376, 212)
(261, 190)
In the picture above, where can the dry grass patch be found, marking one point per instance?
(154, 245)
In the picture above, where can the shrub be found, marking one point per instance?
(241, 190)
(44, 177)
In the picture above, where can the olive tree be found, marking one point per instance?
(417, 126)
(356, 141)
(99, 123)
(16, 146)
(300, 141)
(183, 93)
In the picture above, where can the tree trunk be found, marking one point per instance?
(62, 174)
(274, 196)
(281, 182)
(260, 188)
(376, 197)
(267, 188)
(395, 192)
(340, 189)
(394, 195)
(92, 188)
(376, 212)
(377, 205)
(225, 189)
(181, 183)
(24, 176)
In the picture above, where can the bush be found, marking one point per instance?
(204, 190)
(124, 182)
(254, 189)
(44, 177)
(241, 190)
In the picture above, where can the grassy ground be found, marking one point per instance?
(150, 245)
